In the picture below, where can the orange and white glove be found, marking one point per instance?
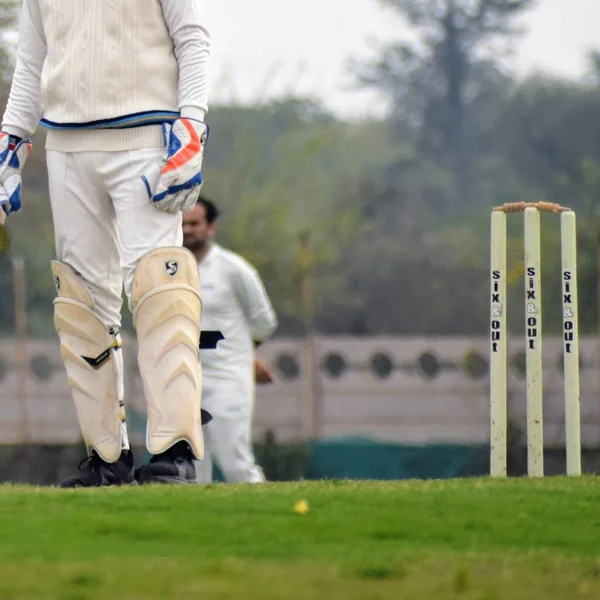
(179, 179)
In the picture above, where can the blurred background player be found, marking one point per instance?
(122, 89)
(235, 303)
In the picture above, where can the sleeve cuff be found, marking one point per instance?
(16, 131)
(192, 112)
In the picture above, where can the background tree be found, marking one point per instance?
(438, 82)
(9, 16)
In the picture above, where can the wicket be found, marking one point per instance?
(533, 337)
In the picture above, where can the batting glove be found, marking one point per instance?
(13, 156)
(180, 177)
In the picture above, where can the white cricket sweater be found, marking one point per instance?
(234, 302)
(103, 74)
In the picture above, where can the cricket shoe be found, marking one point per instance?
(175, 465)
(95, 472)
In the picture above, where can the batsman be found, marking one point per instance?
(121, 88)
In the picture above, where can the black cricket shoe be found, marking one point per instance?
(175, 465)
(95, 472)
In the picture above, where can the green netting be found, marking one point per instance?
(367, 459)
(357, 458)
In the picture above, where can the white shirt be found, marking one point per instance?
(234, 302)
(116, 63)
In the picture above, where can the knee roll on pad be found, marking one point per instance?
(167, 307)
(92, 357)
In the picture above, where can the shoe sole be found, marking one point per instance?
(166, 481)
(163, 479)
(123, 483)
(143, 477)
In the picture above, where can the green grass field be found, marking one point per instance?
(474, 539)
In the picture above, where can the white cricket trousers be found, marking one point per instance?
(104, 222)
(227, 442)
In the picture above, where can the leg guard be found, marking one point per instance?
(167, 307)
(92, 357)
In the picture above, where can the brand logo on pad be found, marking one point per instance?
(57, 283)
(171, 267)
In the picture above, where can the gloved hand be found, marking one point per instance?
(180, 172)
(13, 156)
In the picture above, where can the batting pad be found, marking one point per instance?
(167, 307)
(92, 358)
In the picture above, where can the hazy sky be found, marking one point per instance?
(269, 47)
